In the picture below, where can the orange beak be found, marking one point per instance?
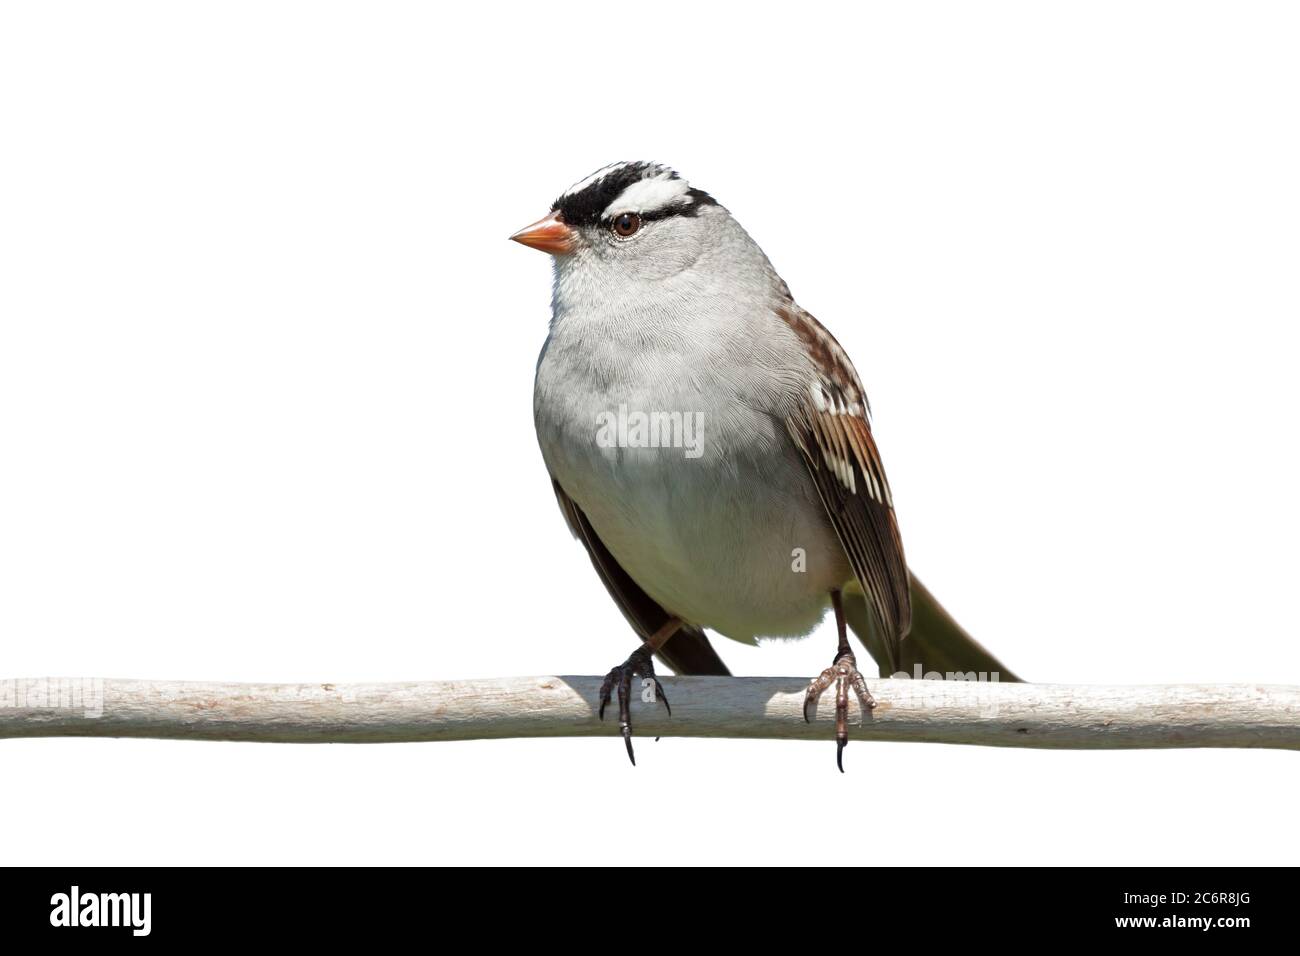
(549, 234)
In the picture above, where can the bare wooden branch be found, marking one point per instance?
(1007, 715)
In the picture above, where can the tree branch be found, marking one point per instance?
(1007, 715)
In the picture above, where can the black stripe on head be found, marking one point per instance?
(584, 207)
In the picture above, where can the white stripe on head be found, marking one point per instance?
(661, 188)
(597, 175)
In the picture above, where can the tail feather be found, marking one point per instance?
(689, 652)
(936, 641)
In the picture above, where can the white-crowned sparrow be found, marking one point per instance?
(709, 443)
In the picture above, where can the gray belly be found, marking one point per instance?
(734, 539)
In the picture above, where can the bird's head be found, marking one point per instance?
(626, 222)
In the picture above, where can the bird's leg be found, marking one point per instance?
(844, 674)
(639, 664)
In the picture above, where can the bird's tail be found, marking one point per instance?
(936, 642)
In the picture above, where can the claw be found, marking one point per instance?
(865, 701)
(605, 687)
(815, 689)
(661, 696)
(844, 674)
(640, 663)
(624, 712)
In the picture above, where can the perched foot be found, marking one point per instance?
(843, 674)
(640, 664)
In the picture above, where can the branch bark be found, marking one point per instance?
(1006, 715)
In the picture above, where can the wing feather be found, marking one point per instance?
(686, 652)
(830, 427)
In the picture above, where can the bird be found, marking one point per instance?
(709, 442)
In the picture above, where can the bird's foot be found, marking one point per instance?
(844, 674)
(640, 664)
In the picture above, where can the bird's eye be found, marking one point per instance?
(626, 223)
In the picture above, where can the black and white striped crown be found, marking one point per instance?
(651, 190)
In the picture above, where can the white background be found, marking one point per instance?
(266, 366)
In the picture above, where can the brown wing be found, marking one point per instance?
(831, 429)
(688, 651)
